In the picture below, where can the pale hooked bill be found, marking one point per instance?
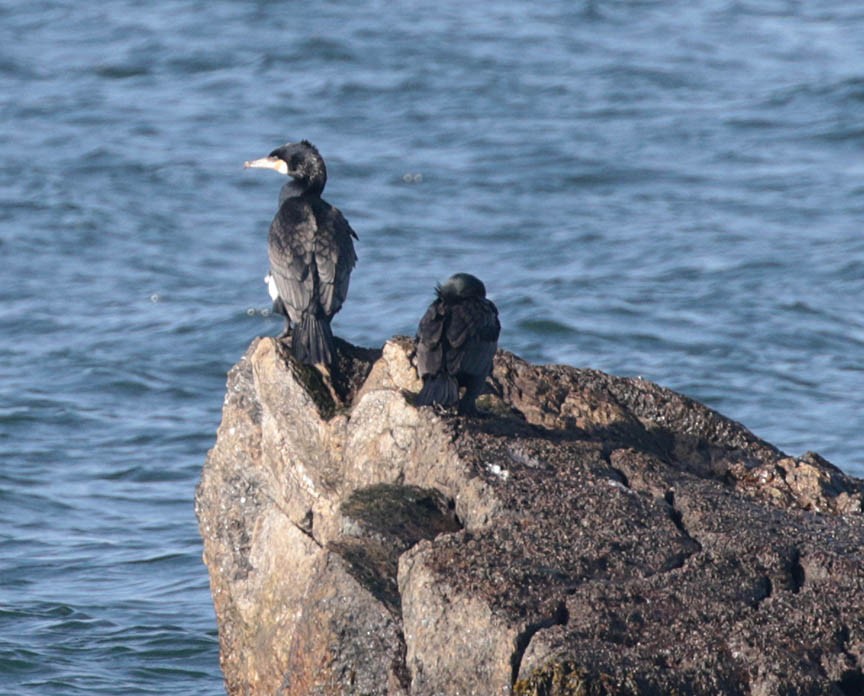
(268, 163)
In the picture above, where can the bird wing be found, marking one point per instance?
(291, 247)
(472, 333)
(334, 256)
(430, 352)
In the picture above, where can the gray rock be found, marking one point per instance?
(589, 535)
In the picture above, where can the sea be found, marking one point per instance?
(671, 189)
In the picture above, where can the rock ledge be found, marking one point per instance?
(591, 535)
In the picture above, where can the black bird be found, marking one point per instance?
(311, 252)
(456, 343)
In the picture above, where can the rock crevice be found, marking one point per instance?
(559, 618)
(590, 534)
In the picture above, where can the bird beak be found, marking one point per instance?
(268, 163)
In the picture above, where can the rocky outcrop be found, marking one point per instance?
(590, 535)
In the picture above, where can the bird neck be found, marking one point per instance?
(290, 190)
(295, 189)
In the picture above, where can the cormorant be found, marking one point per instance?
(310, 250)
(456, 343)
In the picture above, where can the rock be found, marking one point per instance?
(589, 535)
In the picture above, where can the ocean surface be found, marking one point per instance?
(672, 189)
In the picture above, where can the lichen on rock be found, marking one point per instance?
(590, 534)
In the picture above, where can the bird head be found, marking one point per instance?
(301, 161)
(461, 286)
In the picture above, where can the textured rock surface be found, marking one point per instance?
(591, 535)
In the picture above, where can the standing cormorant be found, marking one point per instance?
(311, 252)
(456, 343)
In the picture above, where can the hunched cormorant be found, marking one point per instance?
(456, 343)
(310, 250)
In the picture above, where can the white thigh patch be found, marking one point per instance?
(271, 287)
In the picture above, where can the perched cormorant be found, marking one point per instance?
(311, 252)
(456, 342)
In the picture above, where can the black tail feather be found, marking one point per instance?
(312, 341)
(442, 389)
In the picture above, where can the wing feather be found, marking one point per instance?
(430, 352)
(311, 257)
(472, 335)
(334, 256)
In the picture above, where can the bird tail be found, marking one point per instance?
(441, 389)
(312, 341)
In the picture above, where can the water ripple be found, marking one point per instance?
(654, 188)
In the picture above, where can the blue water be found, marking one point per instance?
(671, 189)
